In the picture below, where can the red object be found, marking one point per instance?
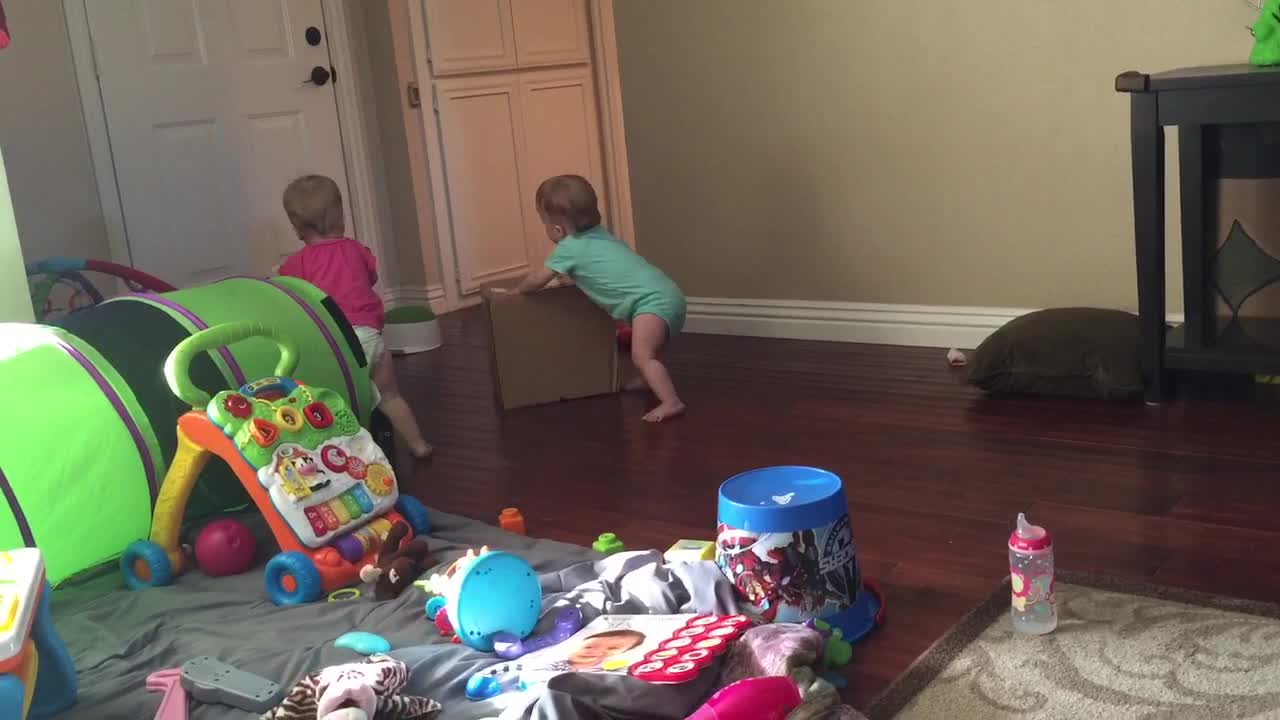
(624, 334)
(512, 521)
(346, 271)
(690, 649)
(1030, 539)
(124, 272)
(319, 415)
(225, 547)
(4, 30)
(238, 405)
(758, 698)
(443, 624)
(334, 458)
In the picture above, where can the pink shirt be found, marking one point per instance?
(346, 271)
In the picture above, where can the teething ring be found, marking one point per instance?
(343, 594)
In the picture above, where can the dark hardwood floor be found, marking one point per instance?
(1187, 494)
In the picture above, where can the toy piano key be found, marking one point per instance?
(672, 674)
(679, 643)
(647, 668)
(662, 655)
(696, 656)
(715, 645)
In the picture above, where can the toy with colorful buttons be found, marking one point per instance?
(37, 677)
(438, 584)
(692, 648)
(325, 488)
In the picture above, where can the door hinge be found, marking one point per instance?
(414, 94)
(435, 98)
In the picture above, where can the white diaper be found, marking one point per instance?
(371, 342)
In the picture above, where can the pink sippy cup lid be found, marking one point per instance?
(1028, 538)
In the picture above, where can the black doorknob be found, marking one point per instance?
(319, 75)
(313, 35)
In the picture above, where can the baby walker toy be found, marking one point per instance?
(37, 677)
(325, 488)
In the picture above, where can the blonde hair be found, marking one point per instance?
(569, 199)
(314, 206)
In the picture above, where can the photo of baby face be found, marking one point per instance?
(597, 648)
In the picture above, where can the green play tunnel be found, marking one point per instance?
(104, 432)
(79, 464)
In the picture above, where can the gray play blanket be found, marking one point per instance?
(118, 637)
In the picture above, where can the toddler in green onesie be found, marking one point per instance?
(621, 282)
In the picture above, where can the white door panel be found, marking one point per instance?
(209, 118)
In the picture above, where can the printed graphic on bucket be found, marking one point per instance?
(792, 576)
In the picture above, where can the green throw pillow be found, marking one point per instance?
(1073, 352)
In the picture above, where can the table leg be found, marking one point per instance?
(1196, 242)
(1147, 137)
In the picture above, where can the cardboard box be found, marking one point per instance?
(552, 345)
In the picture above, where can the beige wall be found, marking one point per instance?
(950, 153)
(15, 300)
(42, 133)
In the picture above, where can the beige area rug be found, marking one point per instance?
(1121, 650)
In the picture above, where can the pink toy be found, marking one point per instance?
(173, 706)
(757, 698)
(4, 30)
(225, 547)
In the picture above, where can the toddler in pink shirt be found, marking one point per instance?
(346, 271)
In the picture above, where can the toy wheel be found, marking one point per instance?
(415, 513)
(145, 564)
(292, 579)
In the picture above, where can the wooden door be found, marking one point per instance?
(208, 119)
(561, 136)
(482, 134)
(551, 32)
(467, 36)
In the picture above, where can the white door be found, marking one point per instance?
(210, 114)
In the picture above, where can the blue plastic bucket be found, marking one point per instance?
(784, 539)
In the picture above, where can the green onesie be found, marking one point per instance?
(617, 279)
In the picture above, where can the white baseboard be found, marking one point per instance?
(431, 295)
(939, 326)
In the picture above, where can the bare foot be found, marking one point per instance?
(665, 411)
(423, 451)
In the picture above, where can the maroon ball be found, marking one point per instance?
(225, 547)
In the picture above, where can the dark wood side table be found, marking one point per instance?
(1224, 115)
